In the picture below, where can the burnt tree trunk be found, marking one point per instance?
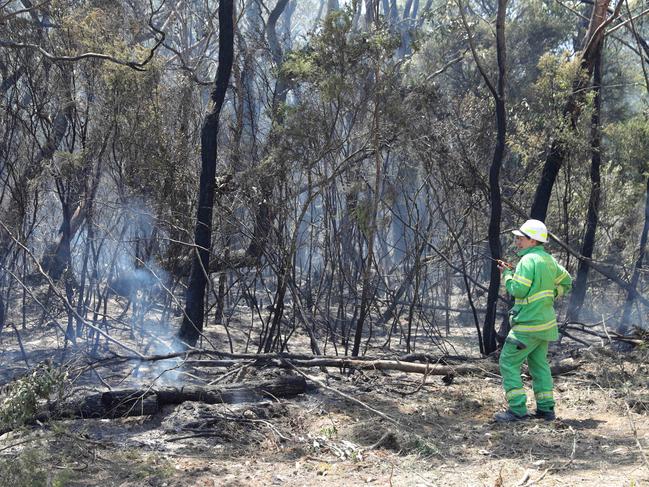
(2, 311)
(487, 339)
(592, 218)
(251, 256)
(632, 291)
(489, 328)
(264, 215)
(572, 108)
(368, 291)
(192, 325)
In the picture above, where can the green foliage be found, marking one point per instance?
(557, 74)
(25, 394)
(299, 66)
(423, 446)
(329, 431)
(362, 215)
(31, 468)
(32, 462)
(336, 58)
(628, 141)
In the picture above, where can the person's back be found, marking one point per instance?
(537, 280)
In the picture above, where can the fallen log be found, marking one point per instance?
(148, 401)
(481, 368)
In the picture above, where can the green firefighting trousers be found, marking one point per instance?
(519, 347)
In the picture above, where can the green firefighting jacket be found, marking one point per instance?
(537, 280)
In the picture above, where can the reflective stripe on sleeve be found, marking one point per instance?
(561, 277)
(523, 280)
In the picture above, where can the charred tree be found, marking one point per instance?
(592, 217)
(572, 107)
(488, 339)
(632, 291)
(489, 327)
(147, 401)
(192, 324)
(369, 228)
(251, 256)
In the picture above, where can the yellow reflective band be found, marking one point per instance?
(561, 277)
(523, 280)
(544, 395)
(535, 297)
(534, 232)
(514, 393)
(560, 291)
(532, 328)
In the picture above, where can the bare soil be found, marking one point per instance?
(443, 433)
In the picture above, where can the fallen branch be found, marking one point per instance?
(484, 367)
(609, 334)
(415, 357)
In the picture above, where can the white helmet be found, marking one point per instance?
(534, 229)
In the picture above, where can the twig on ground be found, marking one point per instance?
(418, 388)
(530, 482)
(526, 481)
(202, 434)
(342, 394)
(635, 435)
(522, 481)
(229, 373)
(29, 440)
(20, 343)
(386, 436)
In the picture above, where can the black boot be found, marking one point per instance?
(545, 415)
(509, 416)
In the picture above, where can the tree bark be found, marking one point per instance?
(192, 325)
(147, 401)
(367, 292)
(480, 367)
(489, 328)
(572, 108)
(592, 218)
(264, 214)
(632, 293)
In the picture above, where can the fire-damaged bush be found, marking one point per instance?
(21, 399)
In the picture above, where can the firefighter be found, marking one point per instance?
(535, 283)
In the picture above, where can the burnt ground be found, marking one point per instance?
(443, 436)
